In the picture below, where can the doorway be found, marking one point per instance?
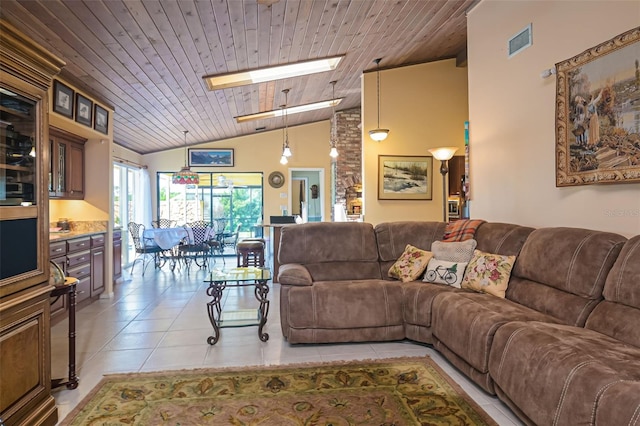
(306, 186)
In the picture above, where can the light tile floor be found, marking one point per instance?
(160, 322)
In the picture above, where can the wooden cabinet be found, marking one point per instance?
(26, 74)
(79, 265)
(82, 258)
(117, 254)
(456, 174)
(66, 165)
(97, 265)
(57, 254)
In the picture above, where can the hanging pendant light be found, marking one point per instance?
(333, 153)
(185, 176)
(378, 134)
(286, 151)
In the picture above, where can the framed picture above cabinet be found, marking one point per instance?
(101, 123)
(84, 110)
(62, 99)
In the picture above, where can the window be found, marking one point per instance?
(234, 198)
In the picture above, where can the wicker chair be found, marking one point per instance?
(146, 249)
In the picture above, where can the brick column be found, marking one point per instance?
(348, 168)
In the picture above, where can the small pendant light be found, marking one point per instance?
(333, 153)
(378, 134)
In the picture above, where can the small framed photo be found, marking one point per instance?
(101, 121)
(402, 177)
(84, 110)
(209, 157)
(62, 99)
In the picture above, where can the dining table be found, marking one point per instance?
(167, 239)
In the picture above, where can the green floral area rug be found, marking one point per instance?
(401, 391)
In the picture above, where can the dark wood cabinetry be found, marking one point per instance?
(82, 258)
(97, 265)
(66, 165)
(456, 174)
(26, 73)
(117, 254)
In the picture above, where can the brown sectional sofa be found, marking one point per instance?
(563, 347)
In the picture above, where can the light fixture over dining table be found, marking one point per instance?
(185, 176)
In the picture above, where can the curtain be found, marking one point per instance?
(142, 197)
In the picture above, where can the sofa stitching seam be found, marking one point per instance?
(565, 387)
(618, 283)
(636, 415)
(499, 246)
(506, 348)
(602, 266)
(573, 259)
(599, 394)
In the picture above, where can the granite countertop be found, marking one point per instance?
(62, 236)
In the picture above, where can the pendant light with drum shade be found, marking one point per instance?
(185, 176)
(378, 134)
(333, 153)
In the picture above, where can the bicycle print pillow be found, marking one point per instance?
(489, 273)
(444, 272)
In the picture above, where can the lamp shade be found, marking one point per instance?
(443, 153)
(185, 177)
(333, 153)
(378, 134)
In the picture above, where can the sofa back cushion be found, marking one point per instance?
(561, 271)
(331, 250)
(393, 237)
(501, 238)
(618, 315)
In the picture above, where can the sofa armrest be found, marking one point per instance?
(294, 274)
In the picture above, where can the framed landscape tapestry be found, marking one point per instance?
(402, 177)
(598, 114)
(210, 157)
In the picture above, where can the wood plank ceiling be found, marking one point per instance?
(146, 59)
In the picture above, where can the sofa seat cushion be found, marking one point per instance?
(466, 322)
(346, 304)
(418, 301)
(559, 374)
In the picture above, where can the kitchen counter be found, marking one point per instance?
(62, 236)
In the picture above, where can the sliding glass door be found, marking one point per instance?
(230, 198)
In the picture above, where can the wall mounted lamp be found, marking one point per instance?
(444, 154)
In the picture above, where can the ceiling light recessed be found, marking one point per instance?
(289, 110)
(260, 75)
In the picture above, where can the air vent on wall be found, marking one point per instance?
(520, 41)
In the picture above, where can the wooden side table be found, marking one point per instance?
(68, 289)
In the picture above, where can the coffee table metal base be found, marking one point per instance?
(218, 282)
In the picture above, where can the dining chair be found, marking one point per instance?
(196, 248)
(163, 223)
(146, 249)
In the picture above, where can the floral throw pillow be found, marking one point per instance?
(411, 264)
(443, 272)
(488, 273)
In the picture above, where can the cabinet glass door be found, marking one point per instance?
(17, 149)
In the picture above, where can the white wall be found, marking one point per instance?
(512, 115)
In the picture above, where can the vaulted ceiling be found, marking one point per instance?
(146, 59)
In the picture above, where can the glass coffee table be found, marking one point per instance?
(238, 277)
